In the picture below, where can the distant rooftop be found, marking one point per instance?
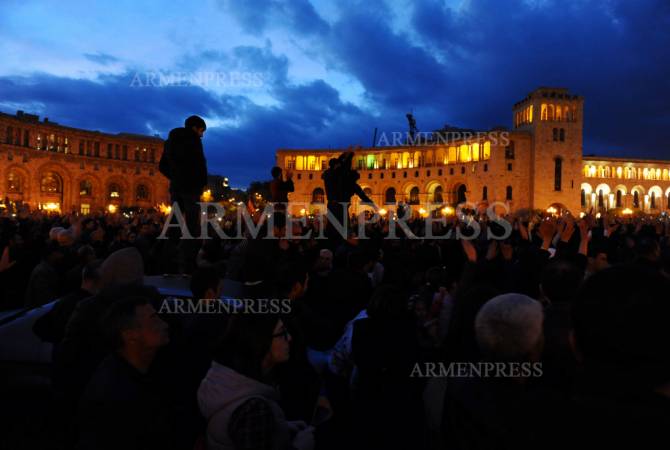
(35, 119)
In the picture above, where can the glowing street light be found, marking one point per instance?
(447, 211)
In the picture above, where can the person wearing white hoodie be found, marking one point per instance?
(237, 398)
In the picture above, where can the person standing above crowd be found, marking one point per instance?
(183, 163)
(279, 188)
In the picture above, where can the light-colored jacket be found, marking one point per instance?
(221, 392)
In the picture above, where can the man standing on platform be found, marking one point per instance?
(279, 188)
(341, 183)
(184, 164)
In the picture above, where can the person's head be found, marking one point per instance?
(54, 232)
(133, 326)
(206, 283)
(65, 238)
(598, 261)
(253, 344)
(560, 281)
(647, 248)
(291, 281)
(53, 253)
(509, 328)
(196, 124)
(90, 277)
(324, 262)
(621, 325)
(388, 302)
(276, 172)
(85, 254)
(124, 266)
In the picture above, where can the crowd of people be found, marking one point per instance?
(353, 362)
(549, 331)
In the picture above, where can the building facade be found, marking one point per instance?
(538, 164)
(57, 168)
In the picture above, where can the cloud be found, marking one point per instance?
(330, 75)
(255, 17)
(101, 58)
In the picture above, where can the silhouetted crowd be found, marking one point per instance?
(372, 344)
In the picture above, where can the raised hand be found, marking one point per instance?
(469, 249)
(569, 229)
(492, 250)
(5, 263)
(506, 250)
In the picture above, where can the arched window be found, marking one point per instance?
(414, 196)
(508, 193)
(555, 134)
(558, 173)
(114, 190)
(14, 182)
(583, 198)
(619, 202)
(85, 188)
(389, 196)
(485, 193)
(437, 195)
(562, 135)
(636, 199)
(318, 195)
(142, 192)
(51, 183)
(461, 194)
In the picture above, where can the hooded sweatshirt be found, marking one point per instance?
(221, 392)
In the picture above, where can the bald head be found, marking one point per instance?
(509, 328)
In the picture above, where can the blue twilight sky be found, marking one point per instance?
(317, 73)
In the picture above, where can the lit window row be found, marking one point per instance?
(627, 173)
(523, 116)
(476, 151)
(550, 111)
(61, 144)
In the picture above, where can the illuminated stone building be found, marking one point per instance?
(53, 167)
(537, 164)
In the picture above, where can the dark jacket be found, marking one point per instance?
(123, 408)
(279, 189)
(51, 326)
(44, 285)
(183, 162)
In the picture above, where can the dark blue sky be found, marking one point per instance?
(298, 73)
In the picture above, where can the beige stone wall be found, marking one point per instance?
(31, 164)
(492, 174)
(548, 145)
